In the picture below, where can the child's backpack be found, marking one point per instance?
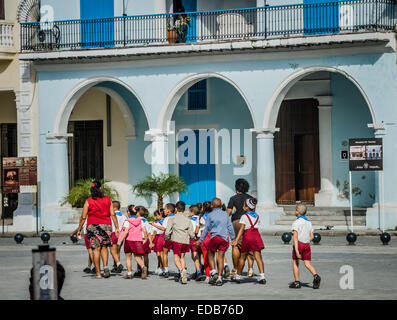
(135, 229)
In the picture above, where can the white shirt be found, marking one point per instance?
(304, 229)
(202, 225)
(120, 221)
(158, 231)
(148, 227)
(244, 220)
(194, 220)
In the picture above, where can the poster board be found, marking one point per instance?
(20, 175)
(366, 154)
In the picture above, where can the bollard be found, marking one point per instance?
(45, 285)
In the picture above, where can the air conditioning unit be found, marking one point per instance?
(47, 36)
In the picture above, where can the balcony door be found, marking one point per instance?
(321, 16)
(191, 6)
(97, 29)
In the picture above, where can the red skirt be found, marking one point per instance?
(158, 243)
(146, 246)
(252, 241)
(167, 244)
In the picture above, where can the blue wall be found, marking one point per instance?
(226, 109)
(350, 116)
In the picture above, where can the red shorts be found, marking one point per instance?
(217, 243)
(146, 247)
(135, 247)
(168, 244)
(304, 250)
(192, 244)
(87, 242)
(158, 243)
(180, 248)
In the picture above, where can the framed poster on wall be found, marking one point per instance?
(20, 175)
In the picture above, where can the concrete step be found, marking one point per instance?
(318, 211)
(314, 219)
(324, 223)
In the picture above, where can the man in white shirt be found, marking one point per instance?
(302, 235)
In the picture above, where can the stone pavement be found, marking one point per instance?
(374, 265)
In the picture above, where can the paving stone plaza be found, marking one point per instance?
(373, 265)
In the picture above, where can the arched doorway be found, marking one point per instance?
(212, 123)
(317, 111)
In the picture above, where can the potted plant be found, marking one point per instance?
(162, 185)
(82, 191)
(172, 33)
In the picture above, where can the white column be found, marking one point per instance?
(266, 178)
(326, 194)
(24, 217)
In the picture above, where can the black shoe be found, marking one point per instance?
(93, 270)
(194, 276)
(262, 281)
(237, 280)
(119, 269)
(87, 270)
(316, 281)
(219, 283)
(202, 269)
(177, 277)
(226, 272)
(166, 274)
(213, 279)
(114, 270)
(138, 273)
(106, 273)
(295, 285)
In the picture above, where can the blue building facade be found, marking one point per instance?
(275, 92)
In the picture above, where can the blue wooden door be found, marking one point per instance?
(321, 16)
(98, 31)
(191, 6)
(199, 176)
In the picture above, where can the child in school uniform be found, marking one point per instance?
(148, 245)
(115, 249)
(302, 235)
(132, 233)
(179, 230)
(195, 252)
(158, 238)
(89, 250)
(206, 209)
(251, 240)
(169, 211)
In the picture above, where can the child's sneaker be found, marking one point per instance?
(200, 276)
(233, 274)
(184, 277)
(165, 274)
(219, 282)
(93, 270)
(138, 273)
(262, 281)
(226, 272)
(316, 281)
(144, 273)
(194, 276)
(213, 279)
(119, 269)
(128, 276)
(295, 285)
(207, 280)
(250, 272)
(106, 273)
(237, 279)
(87, 270)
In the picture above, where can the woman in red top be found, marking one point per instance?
(99, 210)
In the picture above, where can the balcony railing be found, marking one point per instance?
(6, 34)
(221, 25)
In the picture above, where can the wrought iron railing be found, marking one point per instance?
(221, 25)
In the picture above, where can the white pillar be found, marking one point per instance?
(266, 178)
(24, 217)
(326, 194)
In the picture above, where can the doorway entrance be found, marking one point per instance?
(296, 149)
(85, 150)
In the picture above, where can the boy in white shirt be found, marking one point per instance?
(302, 235)
(114, 249)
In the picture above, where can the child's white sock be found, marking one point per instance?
(165, 269)
(262, 275)
(118, 263)
(225, 265)
(220, 278)
(212, 272)
(129, 273)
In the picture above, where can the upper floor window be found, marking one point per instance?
(197, 96)
(2, 10)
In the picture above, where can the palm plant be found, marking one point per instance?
(163, 185)
(82, 191)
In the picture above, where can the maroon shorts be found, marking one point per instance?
(135, 247)
(192, 244)
(146, 247)
(87, 242)
(180, 248)
(168, 245)
(252, 241)
(304, 250)
(217, 243)
(158, 243)
(114, 238)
